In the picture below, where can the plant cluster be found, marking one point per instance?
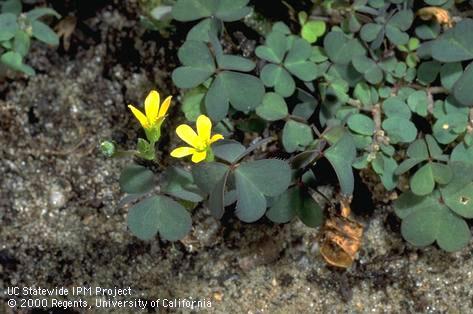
(383, 89)
(16, 30)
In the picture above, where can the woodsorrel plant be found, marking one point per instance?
(383, 87)
(17, 28)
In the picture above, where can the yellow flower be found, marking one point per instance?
(154, 115)
(200, 142)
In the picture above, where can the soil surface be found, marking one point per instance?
(62, 226)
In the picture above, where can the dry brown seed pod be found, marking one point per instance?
(440, 15)
(341, 238)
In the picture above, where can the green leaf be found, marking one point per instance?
(283, 208)
(428, 31)
(307, 108)
(273, 107)
(218, 199)
(44, 33)
(282, 28)
(243, 91)
(388, 178)
(303, 70)
(228, 150)
(406, 165)
(190, 10)
(274, 49)
(216, 100)
(453, 232)
(442, 173)
(448, 127)
(190, 77)
(396, 107)
(462, 153)
(8, 26)
(462, 87)
(15, 61)
(136, 179)
(344, 72)
(422, 182)
(340, 49)
(21, 43)
(198, 64)
(232, 10)
(400, 130)
(236, 63)
(396, 36)
(309, 212)
(341, 155)
(361, 124)
(192, 103)
(40, 12)
(251, 203)
(434, 149)
(270, 176)
(408, 202)
(456, 44)
(159, 213)
(296, 136)
(312, 30)
(370, 70)
(418, 102)
(296, 60)
(458, 194)
(418, 150)
(318, 55)
(450, 73)
(428, 72)
(369, 32)
(207, 175)
(366, 94)
(353, 24)
(374, 75)
(204, 30)
(435, 223)
(179, 183)
(276, 76)
(402, 20)
(12, 6)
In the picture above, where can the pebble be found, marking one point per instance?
(57, 197)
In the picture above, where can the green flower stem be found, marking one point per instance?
(210, 156)
(125, 153)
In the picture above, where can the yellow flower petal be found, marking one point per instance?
(165, 106)
(204, 127)
(199, 156)
(216, 137)
(189, 136)
(140, 116)
(152, 106)
(183, 152)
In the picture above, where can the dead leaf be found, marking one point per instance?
(64, 29)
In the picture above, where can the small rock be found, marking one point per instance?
(261, 252)
(218, 296)
(57, 199)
